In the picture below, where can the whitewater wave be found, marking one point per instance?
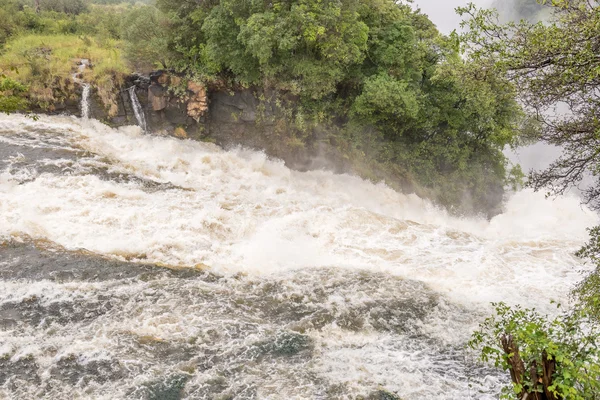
(280, 284)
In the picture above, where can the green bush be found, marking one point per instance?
(557, 358)
(145, 31)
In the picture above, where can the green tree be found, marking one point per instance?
(553, 64)
(63, 6)
(355, 66)
(588, 291)
(9, 25)
(145, 31)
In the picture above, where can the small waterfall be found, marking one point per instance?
(137, 109)
(85, 94)
(85, 101)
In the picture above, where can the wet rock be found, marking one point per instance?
(197, 104)
(168, 388)
(237, 109)
(157, 96)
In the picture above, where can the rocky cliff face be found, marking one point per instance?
(254, 120)
(251, 118)
(243, 117)
(164, 111)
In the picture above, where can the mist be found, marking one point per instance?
(442, 13)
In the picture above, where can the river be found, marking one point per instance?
(144, 267)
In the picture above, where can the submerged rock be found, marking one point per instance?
(382, 394)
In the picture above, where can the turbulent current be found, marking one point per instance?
(145, 267)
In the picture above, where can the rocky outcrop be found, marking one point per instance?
(157, 97)
(255, 119)
(165, 112)
(249, 117)
(197, 104)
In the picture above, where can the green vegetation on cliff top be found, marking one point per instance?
(41, 50)
(375, 75)
(372, 78)
(46, 63)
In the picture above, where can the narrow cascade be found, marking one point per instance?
(85, 101)
(85, 94)
(137, 109)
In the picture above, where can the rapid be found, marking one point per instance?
(135, 266)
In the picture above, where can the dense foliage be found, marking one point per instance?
(548, 358)
(145, 34)
(588, 291)
(391, 94)
(377, 70)
(10, 99)
(551, 64)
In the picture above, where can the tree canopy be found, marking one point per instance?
(363, 64)
(145, 31)
(548, 358)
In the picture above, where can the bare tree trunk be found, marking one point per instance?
(517, 372)
(517, 367)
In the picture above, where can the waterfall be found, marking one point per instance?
(152, 264)
(85, 101)
(137, 109)
(85, 94)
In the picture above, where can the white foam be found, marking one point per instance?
(240, 211)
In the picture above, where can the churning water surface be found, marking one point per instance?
(145, 267)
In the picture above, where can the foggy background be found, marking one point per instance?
(441, 12)
(537, 156)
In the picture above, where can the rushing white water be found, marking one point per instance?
(382, 288)
(85, 101)
(138, 111)
(85, 94)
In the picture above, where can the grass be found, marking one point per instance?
(46, 63)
